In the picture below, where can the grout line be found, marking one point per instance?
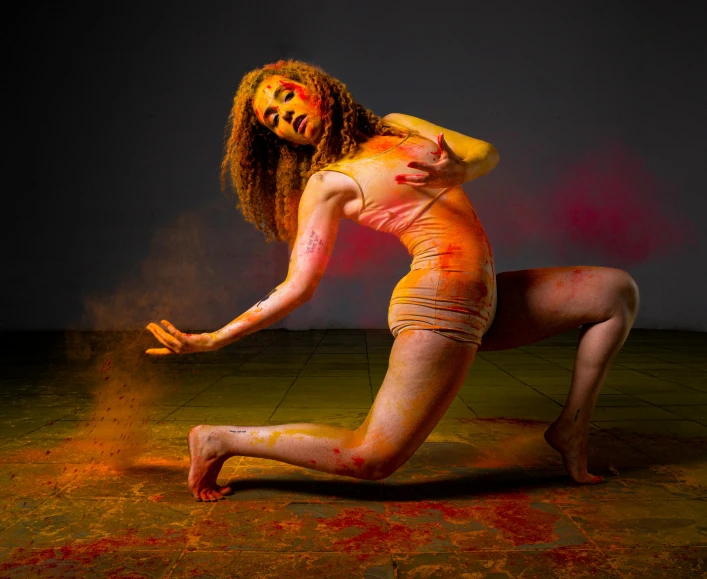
(528, 385)
(200, 392)
(296, 377)
(659, 378)
(168, 574)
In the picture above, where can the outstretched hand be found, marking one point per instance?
(176, 342)
(449, 171)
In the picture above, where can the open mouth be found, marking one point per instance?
(298, 122)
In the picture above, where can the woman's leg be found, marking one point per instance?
(424, 375)
(538, 303)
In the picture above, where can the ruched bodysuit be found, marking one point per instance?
(450, 288)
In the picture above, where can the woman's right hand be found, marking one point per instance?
(176, 342)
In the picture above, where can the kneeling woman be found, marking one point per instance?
(302, 154)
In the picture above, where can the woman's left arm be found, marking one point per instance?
(320, 210)
(463, 159)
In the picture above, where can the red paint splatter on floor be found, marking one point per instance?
(87, 552)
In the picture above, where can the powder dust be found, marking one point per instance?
(177, 283)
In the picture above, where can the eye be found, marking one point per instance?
(289, 96)
(275, 120)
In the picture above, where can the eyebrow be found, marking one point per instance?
(276, 94)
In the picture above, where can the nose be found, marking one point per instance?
(288, 116)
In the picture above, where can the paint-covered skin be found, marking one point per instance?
(289, 109)
(426, 368)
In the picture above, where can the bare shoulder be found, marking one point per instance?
(425, 128)
(334, 189)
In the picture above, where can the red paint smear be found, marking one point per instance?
(299, 90)
(568, 559)
(88, 552)
(379, 144)
(448, 254)
(336, 451)
(375, 537)
(358, 461)
(516, 519)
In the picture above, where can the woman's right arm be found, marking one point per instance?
(320, 209)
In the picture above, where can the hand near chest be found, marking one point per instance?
(449, 171)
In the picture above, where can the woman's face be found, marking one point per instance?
(289, 109)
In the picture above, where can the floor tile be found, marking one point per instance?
(557, 563)
(547, 412)
(264, 565)
(698, 413)
(88, 560)
(615, 413)
(241, 416)
(675, 398)
(625, 524)
(665, 563)
(346, 417)
(483, 495)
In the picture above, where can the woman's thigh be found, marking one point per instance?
(535, 304)
(425, 372)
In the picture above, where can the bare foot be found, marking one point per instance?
(206, 462)
(572, 445)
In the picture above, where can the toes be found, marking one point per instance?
(225, 490)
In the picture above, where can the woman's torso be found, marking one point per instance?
(439, 227)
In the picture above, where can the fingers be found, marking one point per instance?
(169, 341)
(420, 166)
(159, 352)
(171, 329)
(411, 179)
(444, 146)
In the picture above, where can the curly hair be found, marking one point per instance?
(268, 174)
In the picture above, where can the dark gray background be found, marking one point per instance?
(113, 214)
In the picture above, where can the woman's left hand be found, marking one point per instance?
(176, 342)
(449, 171)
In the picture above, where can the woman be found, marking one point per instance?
(302, 154)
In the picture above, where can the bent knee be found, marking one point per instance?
(625, 290)
(375, 464)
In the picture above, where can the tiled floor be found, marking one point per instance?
(484, 497)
